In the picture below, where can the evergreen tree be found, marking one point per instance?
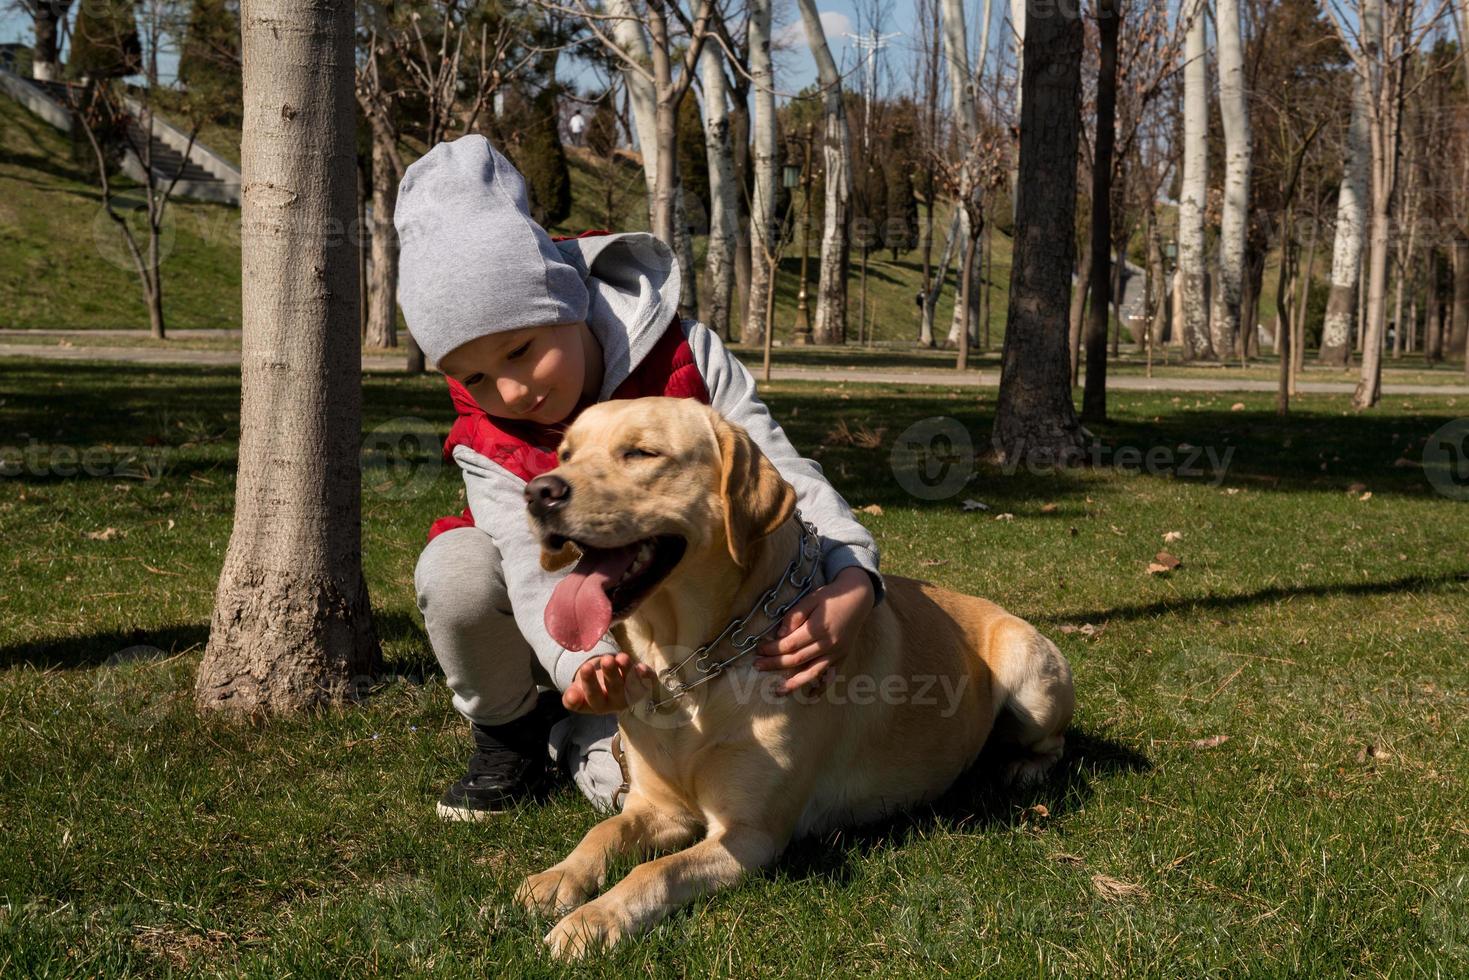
(104, 41)
(535, 149)
(209, 59)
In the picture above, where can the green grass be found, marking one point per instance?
(1323, 633)
(63, 263)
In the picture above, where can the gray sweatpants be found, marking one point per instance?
(489, 667)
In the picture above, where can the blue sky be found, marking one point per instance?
(794, 65)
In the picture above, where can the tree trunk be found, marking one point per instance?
(986, 284)
(382, 288)
(966, 116)
(966, 289)
(1433, 322)
(1459, 334)
(936, 287)
(655, 117)
(1194, 198)
(1234, 225)
(1076, 314)
(960, 316)
(46, 59)
(292, 626)
(831, 291)
(1094, 395)
(363, 240)
(723, 193)
(762, 205)
(1289, 262)
(1017, 24)
(740, 137)
(1384, 128)
(1034, 418)
(1351, 221)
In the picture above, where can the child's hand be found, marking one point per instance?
(608, 684)
(819, 629)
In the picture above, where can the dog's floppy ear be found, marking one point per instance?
(554, 561)
(756, 498)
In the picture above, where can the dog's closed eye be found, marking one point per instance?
(637, 452)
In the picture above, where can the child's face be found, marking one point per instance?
(535, 374)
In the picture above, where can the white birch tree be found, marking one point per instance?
(723, 192)
(1351, 221)
(1194, 197)
(763, 231)
(1238, 147)
(831, 292)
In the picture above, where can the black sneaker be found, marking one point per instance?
(509, 765)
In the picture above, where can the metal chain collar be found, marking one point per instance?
(800, 574)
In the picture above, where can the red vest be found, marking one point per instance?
(528, 450)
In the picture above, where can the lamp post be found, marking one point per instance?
(793, 177)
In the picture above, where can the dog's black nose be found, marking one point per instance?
(546, 493)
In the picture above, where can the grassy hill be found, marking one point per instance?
(62, 262)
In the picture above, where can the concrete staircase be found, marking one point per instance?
(202, 176)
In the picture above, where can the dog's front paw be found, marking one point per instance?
(553, 892)
(590, 928)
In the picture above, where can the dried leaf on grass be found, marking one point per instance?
(106, 534)
(1212, 742)
(1171, 536)
(1163, 563)
(1114, 889)
(874, 509)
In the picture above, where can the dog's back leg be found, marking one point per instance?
(1034, 681)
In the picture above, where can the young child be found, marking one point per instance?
(529, 332)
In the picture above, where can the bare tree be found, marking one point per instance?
(763, 223)
(115, 124)
(1381, 48)
(1238, 143)
(1193, 201)
(651, 58)
(449, 59)
(292, 624)
(1351, 224)
(1094, 398)
(963, 83)
(1034, 417)
(831, 294)
(723, 192)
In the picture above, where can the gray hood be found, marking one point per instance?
(633, 286)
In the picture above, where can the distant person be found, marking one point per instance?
(578, 126)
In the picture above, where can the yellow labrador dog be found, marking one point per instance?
(683, 527)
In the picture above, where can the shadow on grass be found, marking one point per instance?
(1219, 603)
(1319, 447)
(978, 801)
(95, 649)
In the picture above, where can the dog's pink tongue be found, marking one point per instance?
(579, 611)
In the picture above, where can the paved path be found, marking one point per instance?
(897, 376)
